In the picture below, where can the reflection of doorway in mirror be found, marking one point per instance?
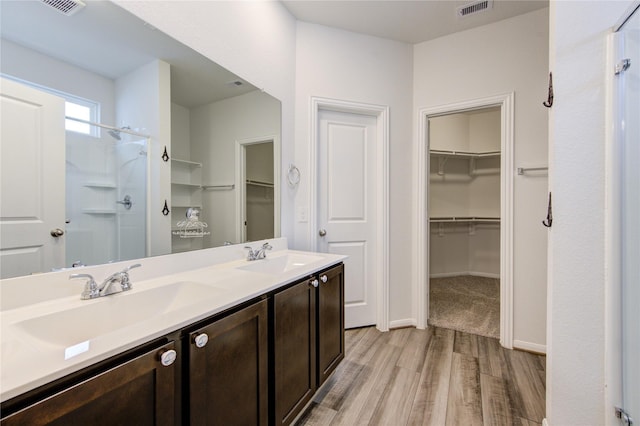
(258, 194)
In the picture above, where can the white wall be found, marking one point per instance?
(34, 67)
(508, 56)
(136, 92)
(215, 128)
(338, 64)
(253, 39)
(577, 134)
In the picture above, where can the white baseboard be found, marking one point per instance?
(531, 347)
(545, 422)
(407, 322)
(457, 274)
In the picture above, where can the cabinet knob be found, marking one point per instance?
(323, 278)
(314, 283)
(201, 340)
(168, 357)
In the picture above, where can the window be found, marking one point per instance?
(82, 110)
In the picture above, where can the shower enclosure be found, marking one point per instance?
(106, 195)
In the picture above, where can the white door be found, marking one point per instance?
(347, 196)
(630, 216)
(32, 204)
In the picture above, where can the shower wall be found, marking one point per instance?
(100, 172)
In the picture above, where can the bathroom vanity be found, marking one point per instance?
(236, 342)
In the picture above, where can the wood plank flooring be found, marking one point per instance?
(430, 377)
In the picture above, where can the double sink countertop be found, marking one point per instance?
(49, 339)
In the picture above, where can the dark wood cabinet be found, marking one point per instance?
(308, 334)
(258, 363)
(228, 369)
(294, 334)
(139, 391)
(330, 321)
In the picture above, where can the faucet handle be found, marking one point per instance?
(125, 282)
(251, 255)
(267, 246)
(90, 287)
(130, 267)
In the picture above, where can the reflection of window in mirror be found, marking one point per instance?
(82, 110)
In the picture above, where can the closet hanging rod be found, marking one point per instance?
(259, 183)
(463, 219)
(232, 186)
(523, 170)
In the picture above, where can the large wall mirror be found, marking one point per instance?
(92, 188)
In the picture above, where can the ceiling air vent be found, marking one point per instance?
(473, 8)
(67, 7)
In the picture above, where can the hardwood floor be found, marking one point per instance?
(430, 377)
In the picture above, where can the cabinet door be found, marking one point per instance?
(330, 321)
(228, 377)
(294, 322)
(137, 392)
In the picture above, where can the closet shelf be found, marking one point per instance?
(186, 162)
(190, 185)
(464, 219)
(464, 154)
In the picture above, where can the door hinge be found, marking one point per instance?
(626, 420)
(622, 66)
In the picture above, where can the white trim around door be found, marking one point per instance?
(381, 113)
(421, 223)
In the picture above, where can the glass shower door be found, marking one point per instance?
(106, 203)
(629, 75)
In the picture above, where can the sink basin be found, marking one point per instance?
(111, 313)
(280, 264)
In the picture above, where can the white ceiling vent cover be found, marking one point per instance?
(474, 8)
(67, 7)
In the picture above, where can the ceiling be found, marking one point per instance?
(109, 41)
(406, 21)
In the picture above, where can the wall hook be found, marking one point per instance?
(549, 219)
(165, 155)
(165, 209)
(549, 102)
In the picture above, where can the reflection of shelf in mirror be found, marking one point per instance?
(464, 154)
(259, 183)
(219, 187)
(182, 206)
(104, 185)
(464, 219)
(190, 185)
(99, 211)
(186, 162)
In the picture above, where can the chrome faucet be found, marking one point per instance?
(260, 253)
(92, 290)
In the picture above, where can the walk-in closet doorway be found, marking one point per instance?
(465, 212)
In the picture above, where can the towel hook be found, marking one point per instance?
(549, 102)
(549, 219)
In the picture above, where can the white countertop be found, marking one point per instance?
(31, 357)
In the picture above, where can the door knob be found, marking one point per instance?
(314, 283)
(57, 232)
(322, 232)
(323, 278)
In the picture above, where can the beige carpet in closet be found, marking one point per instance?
(466, 303)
